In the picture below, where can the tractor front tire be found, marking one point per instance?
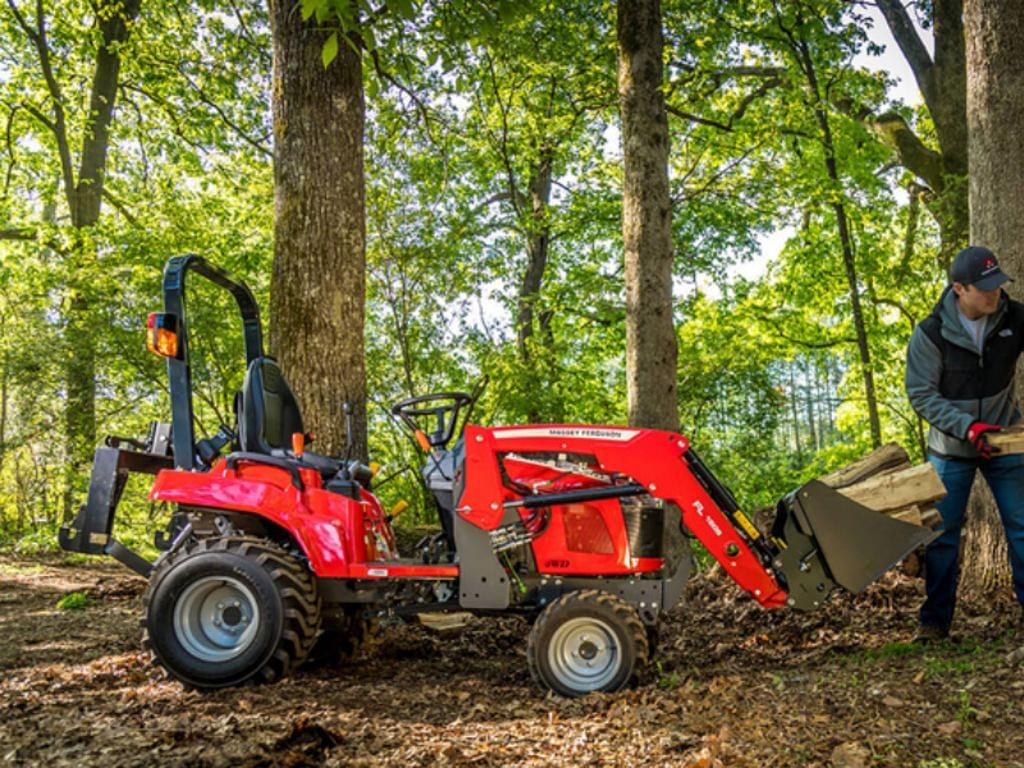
(587, 641)
(230, 610)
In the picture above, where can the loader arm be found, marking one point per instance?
(661, 462)
(821, 540)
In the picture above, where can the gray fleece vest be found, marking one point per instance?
(951, 385)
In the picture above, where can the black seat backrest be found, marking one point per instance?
(268, 413)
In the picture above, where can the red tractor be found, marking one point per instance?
(583, 530)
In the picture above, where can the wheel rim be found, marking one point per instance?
(216, 618)
(584, 654)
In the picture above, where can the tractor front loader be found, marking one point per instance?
(582, 530)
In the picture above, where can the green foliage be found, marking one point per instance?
(73, 601)
(469, 105)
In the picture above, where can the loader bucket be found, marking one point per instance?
(826, 540)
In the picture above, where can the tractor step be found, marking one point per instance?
(402, 569)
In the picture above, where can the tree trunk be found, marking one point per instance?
(84, 199)
(813, 442)
(3, 416)
(318, 284)
(795, 413)
(651, 346)
(995, 81)
(538, 235)
(802, 49)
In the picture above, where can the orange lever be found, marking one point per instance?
(298, 444)
(421, 438)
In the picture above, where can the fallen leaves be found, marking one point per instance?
(850, 755)
(736, 687)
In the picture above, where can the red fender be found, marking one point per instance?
(329, 528)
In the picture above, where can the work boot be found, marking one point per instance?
(930, 633)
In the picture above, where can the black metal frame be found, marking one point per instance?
(179, 370)
(91, 531)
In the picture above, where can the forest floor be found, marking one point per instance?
(733, 686)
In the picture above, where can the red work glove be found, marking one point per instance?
(976, 436)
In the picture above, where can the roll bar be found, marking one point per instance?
(179, 370)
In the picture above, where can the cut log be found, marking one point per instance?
(444, 623)
(1008, 440)
(884, 481)
(920, 486)
(889, 458)
(931, 518)
(911, 514)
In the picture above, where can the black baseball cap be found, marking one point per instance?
(977, 266)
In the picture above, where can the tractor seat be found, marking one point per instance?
(268, 415)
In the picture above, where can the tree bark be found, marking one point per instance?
(651, 346)
(538, 236)
(795, 413)
(3, 416)
(318, 283)
(537, 239)
(995, 80)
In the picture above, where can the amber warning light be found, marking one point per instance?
(162, 334)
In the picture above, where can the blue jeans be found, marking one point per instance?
(1005, 476)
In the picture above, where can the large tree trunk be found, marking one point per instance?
(318, 284)
(84, 199)
(537, 238)
(651, 347)
(995, 82)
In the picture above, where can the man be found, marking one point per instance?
(960, 379)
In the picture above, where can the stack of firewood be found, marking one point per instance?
(886, 481)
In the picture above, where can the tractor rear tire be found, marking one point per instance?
(230, 610)
(587, 641)
(343, 636)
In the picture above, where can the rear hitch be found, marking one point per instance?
(91, 532)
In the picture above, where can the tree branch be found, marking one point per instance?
(119, 205)
(58, 125)
(924, 162)
(737, 115)
(902, 28)
(17, 233)
(907, 314)
(258, 145)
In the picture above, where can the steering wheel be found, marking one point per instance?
(446, 411)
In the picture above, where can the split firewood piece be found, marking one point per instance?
(931, 518)
(920, 486)
(913, 564)
(1010, 440)
(891, 457)
(911, 514)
